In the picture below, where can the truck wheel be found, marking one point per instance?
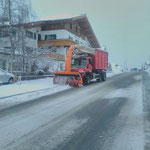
(99, 79)
(86, 80)
(103, 76)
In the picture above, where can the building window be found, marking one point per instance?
(77, 41)
(29, 34)
(13, 33)
(46, 37)
(50, 37)
(71, 26)
(35, 36)
(70, 38)
(6, 33)
(39, 37)
(76, 29)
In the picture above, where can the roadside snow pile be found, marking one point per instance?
(24, 91)
(30, 86)
(28, 90)
(110, 74)
(148, 70)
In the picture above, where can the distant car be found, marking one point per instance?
(134, 69)
(6, 77)
(39, 72)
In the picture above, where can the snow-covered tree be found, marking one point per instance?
(43, 61)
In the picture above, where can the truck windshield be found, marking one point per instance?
(78, 62)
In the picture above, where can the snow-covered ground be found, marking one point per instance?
(54, 123)
(30, 86)
(28, 90)
(148, 70)
(110, 74)
(25, 87)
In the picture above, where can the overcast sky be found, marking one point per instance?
(122, 25)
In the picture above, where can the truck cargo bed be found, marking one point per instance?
(100, 59)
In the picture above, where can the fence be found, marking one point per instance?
(31, 76)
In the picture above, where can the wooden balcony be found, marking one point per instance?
(63, 42)
(56, 56)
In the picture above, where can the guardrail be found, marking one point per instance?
(33, 77)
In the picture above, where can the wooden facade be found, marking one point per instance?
(63, 42)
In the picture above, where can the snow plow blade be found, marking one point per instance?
(71, 78)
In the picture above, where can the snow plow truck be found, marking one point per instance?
(82, 65)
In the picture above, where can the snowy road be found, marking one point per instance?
(101, 116)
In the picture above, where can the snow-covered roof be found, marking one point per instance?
(58, 17)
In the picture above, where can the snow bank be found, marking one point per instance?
(110, 74)
(33, 86)
(28, 90)
(148, 70)
(28, 86)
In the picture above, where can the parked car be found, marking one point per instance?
(39, 72)
(6, 77)
(134, 69)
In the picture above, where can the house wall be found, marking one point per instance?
(62, 50)
(4, 62)
(75, 28)
(64, 34)
(31, 43)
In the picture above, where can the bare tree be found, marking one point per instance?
(16, 13)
